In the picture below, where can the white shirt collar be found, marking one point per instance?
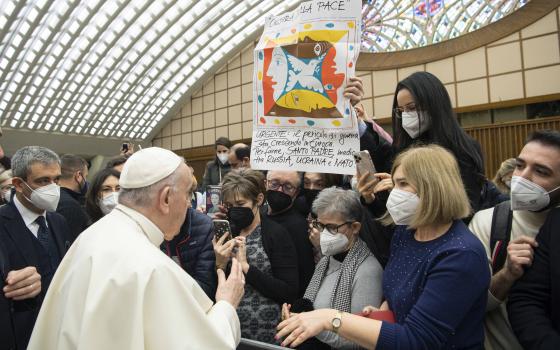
(153, 233)
(28, 216)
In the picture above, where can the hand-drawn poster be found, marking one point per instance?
(303, 62)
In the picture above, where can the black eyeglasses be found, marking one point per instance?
(276, 185)
(331, 228)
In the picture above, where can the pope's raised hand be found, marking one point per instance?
(231, 289)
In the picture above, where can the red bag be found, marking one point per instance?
(383, 315)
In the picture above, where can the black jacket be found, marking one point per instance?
(7, 326)
(194, 251)
(534, 300)
(75, 215)
(282, 286)
(296, 225)
(214, 173)
(20, 247)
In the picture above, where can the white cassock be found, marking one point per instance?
(115, 289)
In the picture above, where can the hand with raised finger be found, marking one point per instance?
(231, 289)
(223, 250)
(361, 112)
(241, 253)
(286, 311)
(366, 187)
(300, 327)
(520, 254)
(23, 284)
(354, 90)
(314, 236)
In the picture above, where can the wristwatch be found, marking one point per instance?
(337, 321)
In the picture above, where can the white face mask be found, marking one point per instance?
(109, 202)
(223, 157)
(332, 244)
(402, 206)
(46, 197)
(527, 195)
(414, 123)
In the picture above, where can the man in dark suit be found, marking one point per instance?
(73, 188)
(34, 238)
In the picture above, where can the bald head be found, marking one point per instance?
(239, 156)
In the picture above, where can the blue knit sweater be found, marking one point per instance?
(437, 290)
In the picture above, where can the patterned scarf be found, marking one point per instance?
(342, 293)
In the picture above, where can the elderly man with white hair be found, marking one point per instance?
(116, 290)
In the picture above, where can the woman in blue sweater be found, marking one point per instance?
(437, 277)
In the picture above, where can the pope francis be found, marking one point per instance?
(115, 289)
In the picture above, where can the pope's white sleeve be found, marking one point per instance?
(178, 315)
(225, 317)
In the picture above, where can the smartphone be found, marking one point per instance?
(221, 227)
(124, 147)
(364, 164)
(213, 199)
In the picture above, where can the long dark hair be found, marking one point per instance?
(431, 96)
(92, 205)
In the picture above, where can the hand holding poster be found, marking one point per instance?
(303, 62)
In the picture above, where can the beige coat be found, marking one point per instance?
(115, 289)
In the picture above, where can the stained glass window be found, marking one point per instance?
(393, 25)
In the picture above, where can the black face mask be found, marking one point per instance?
(239, 218)
(310, 196)
(278, 201)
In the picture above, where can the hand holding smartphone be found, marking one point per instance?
(221, 227)
(364, 164)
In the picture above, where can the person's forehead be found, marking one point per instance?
(110, 181)
(398, 173)
(404, 96)
(328, 217)
(283, 175)
(235, 197)
(38, 169)
(313, 176)
(537, 153)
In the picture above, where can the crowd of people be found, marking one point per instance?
(425, 253)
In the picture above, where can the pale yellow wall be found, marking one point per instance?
(522, 65)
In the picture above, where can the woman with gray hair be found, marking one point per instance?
(348, 276)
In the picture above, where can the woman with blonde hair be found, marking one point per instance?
(502, 180)
(437, 277)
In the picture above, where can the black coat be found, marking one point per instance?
(19, 246)
(75, 215)
(194, 250)
(534, 300)
(297, 227)
(282, 285)
(214, 173)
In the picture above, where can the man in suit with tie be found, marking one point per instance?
(34, 237)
